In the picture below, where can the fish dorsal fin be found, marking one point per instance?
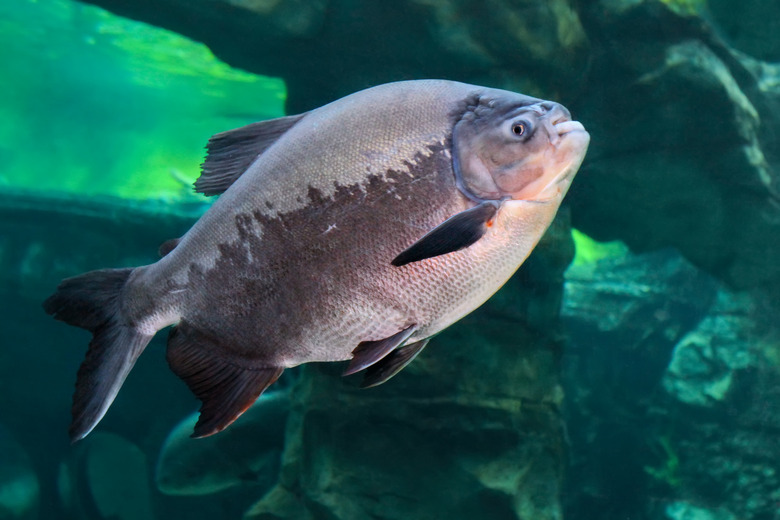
(369, 352)
(230, 153)
(168, 246)
(391, 364)
(225, 389)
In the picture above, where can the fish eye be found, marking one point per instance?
(521, 128)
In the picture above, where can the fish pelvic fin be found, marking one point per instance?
(92, 301)
(457, 232)
(369, 352)
(225, 389)
(391, 364)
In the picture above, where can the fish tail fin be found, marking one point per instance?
(92, 301)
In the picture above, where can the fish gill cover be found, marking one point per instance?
(110, 105)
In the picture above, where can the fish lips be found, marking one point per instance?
(573, 136)
(566, 127)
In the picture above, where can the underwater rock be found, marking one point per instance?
(35, 228)
(669, 379)
(19, 487)
(682, 154)
(623, 316)
(106, 477)
(683, 150)
(752, 27)
(249, 453)
(686, 511)
(705, 361)
(325, 49)
(721, 425)
(470, 431)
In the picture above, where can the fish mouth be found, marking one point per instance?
(564, 127)
(572, 152)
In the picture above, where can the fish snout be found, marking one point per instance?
(556, 118)
(555, 112)
(559, 121)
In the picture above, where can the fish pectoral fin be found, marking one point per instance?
(168, 246)
(225, 389)
(230, 153)
(369, 352)
(391, 364)
(455, 233)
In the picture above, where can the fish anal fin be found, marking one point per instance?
(369, 352)
(230, 153)
(391, 364)
(225, 389)
(455, 233)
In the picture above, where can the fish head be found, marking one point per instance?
(507, 145)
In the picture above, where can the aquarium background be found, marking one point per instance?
(630, 370)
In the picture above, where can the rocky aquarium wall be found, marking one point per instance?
(629, 370)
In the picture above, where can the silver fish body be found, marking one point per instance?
(356, 231)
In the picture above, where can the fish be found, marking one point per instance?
(250, 452)
(353, 233)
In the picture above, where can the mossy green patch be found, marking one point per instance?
(668, 469)
(686, 7)
(97, 104)
(588, 251)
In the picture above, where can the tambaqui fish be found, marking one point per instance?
(356, 231)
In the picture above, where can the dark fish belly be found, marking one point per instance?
(310, 284)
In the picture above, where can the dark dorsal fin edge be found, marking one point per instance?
(230, 153)
(168, 246)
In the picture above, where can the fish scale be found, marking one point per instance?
(355, 231)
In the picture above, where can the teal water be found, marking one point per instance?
(113, 106)
(629, 371)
